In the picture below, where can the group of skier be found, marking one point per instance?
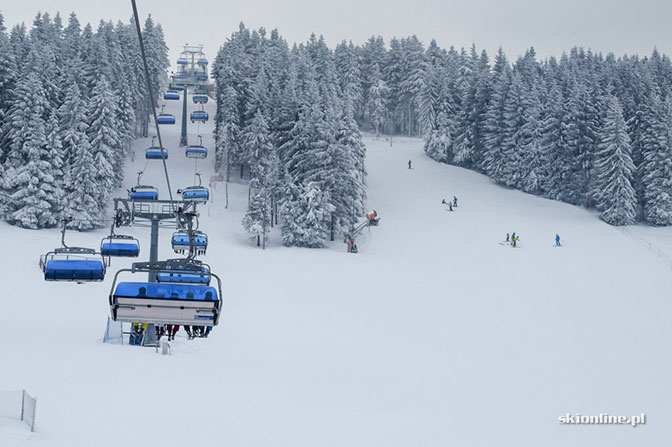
(514, 238)
(450, 204)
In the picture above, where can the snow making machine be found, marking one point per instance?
(372, 219)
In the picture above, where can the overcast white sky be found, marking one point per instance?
(550, 26)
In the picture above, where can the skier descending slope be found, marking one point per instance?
(514, 240)
(557, 240)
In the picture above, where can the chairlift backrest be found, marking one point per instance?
(196, 151)
(165, 118)
(120, 245)
(154, 153)
(200, 276)
(199, 115)
(143, 192)
(195, 194)
(165, 303)
(73, 264)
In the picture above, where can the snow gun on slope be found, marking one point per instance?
(372, 219)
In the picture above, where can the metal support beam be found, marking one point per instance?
(183, 138)
(154, 248)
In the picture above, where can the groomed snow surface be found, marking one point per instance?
(435, 334)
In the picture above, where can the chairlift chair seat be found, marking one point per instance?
(165, 303)
(195, 194)
(171, 96)
(144, 192)
(73, 264)
(155, 153)
(200, 99)
(199, 115)
(185, 276)
(120, 246)
(180, 242)
(196, 151)
(165, 118)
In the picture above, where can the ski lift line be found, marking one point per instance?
(151, 94)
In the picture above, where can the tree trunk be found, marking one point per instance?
(410, 119)
(331, 238)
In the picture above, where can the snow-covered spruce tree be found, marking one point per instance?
(349, 74)
(227, 135)
(431, 92)
(476, 95)
(105, 142)
(494, 130)
(125, 115)
(20, 46)
(439, 142)
(513, 139)
(553, 143)
(614, 167)
(534, 161)
(257, 220)
(305, 213)
(376, 106)
(81, 190)
(656, 167)
(43, 62)
(8, 76)
(393, 75)
(32, 169)
(57, 154)
(579, 134)
(257, 144)
(348, 191)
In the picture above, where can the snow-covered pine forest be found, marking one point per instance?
(586, 129)
(284, 116)
(71, 101)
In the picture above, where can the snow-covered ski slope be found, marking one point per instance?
(433, 335)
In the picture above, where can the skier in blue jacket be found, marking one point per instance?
(557, 240)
